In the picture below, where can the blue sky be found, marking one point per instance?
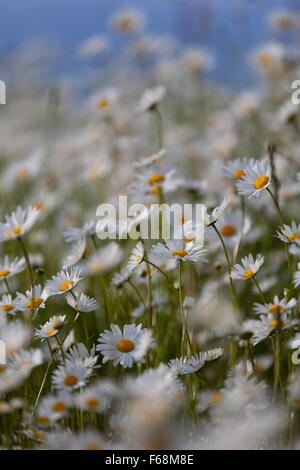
(228, 28)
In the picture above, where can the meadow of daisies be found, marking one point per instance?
(126, 343)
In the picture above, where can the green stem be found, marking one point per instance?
(282, 226)
(259, 290)
(185, 334)
(159, 126)
(236, 304)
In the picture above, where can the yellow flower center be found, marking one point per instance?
(26, 364)
(35, 302)
(17, 230)
(181, 253)
(40, 206)
(216, 397)
(275, 308)
(274, 323)
(43, 420)
(125, 345)
(93, 446)
(65, 285)
(265, 59)
(4, 272)
(59, 407)
(6, 307)
(39, 435)
(50, 332)
(23, 173)
(157, 178)
(248, 273)
(228, 230)
(93, 403)
(238, 174)
(70, 380)
(102, 103)
(296, 402)
(4, 405)
(294, 236)
(261, 181)
(155, 190)
(189, 239)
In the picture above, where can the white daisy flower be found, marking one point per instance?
(174, 249)
(74, 234)
(102, 260)
(210, 219)
(53, 407)
(213, 354)
(79, 355)
(50, 328)
(63, 281)
(192, 364)
(151, 98)
(82, 303)
(235, 169)
(128, 20)
(71, 376)
(297, 277)
(176, 364)
(257, 178)
(33, 299)
(75, 254)
(18, 223)
(7, 305)
(136, 257)
(290, 233)
(149, 161)
(121, 347)
(11, 268)
(92, 399)
(16, 335)
(248, 268)
(26, 359)
(262, 328)
(275, 307)
(150, 181)
(120, 278)
(230, 225)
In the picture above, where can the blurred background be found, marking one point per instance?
(38, 31)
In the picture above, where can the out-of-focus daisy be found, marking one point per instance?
(120, 278)
(79, 354)
(71, 376)
(290, 233)
(175, 249)
(11, 268)
(33, 299)
(82, 303)
(53, 408)
(265, 327)
(230, 225)
(26, 359)
(128, 20)
(15, 335)
(92, 399)
(196, 60)
(256, 179)
(276, 307)
(297, 277)
(149, 161)
(281, 19)
(248, 268)
(7, 305)
(63, 281)
(18, 223)
(102, 260)
(235, 169)
(151, 98)
(74, 233)
(122, 347)
(136, 257)
(195, 363)
(93, 46)
(177, 364)
(76, 253)
(50, 328)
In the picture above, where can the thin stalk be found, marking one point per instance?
(259, 290)
(159, 126)
(139, 296)
(185, 334)
(29, 268)
(282, 226)
(163, 273)
(229, 271)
